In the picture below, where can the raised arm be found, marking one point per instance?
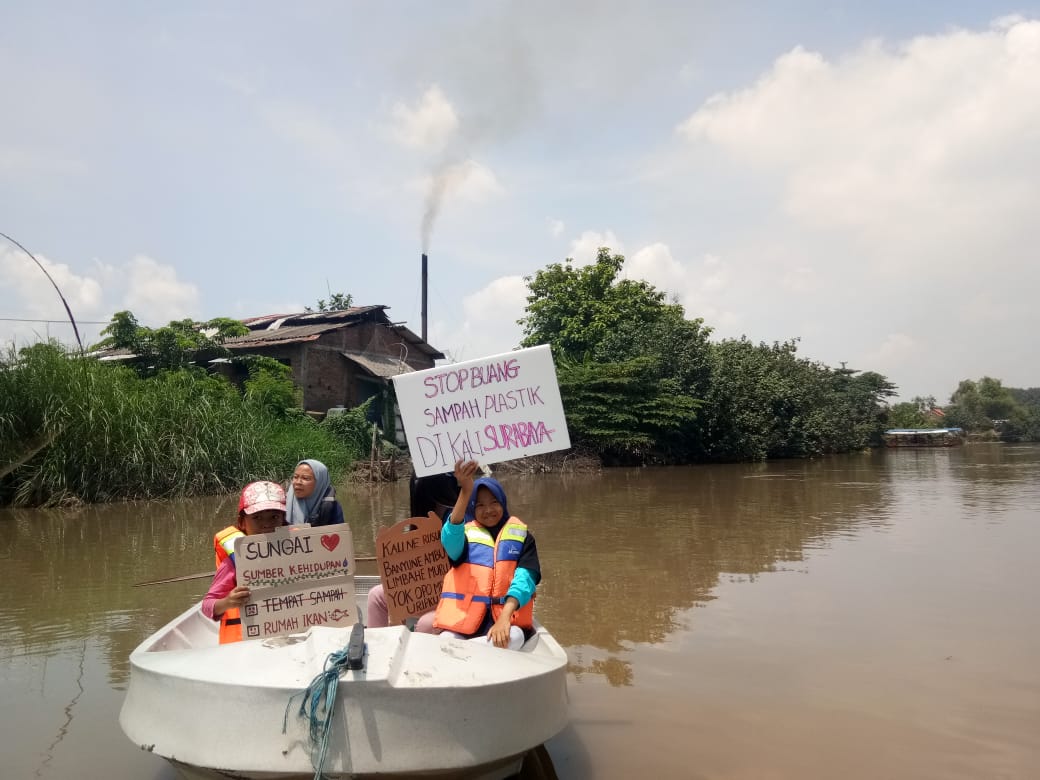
(453, 537)
(465, 471)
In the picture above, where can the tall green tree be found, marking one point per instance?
(907, 414)
(975, 405)
(858, 403)
(1029, 396)
(172, 346)
(624, 410)
(679, 347)
(641, 381)
(1024, 422)
(574, 309)
(764, 401)
(631, 366)
(915, 413)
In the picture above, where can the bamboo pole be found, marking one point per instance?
(31, 453)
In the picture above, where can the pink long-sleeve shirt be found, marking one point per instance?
(224, 582)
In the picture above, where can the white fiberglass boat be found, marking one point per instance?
(420, 705)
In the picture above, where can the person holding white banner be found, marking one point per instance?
(261, 509)
(488, 593)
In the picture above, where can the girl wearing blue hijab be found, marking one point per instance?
(311, 498)
(482, 534)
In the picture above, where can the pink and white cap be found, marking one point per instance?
(258, 496)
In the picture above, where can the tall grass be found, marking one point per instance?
(108, 434)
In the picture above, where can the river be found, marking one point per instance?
(864, 616)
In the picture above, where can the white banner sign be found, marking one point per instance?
(489, 410)
(298, 576)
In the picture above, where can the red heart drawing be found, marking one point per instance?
(330, 542)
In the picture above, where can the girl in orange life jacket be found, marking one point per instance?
(488, 591)
(261, 509)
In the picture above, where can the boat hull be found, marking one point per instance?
(423, 704)
(498, 770)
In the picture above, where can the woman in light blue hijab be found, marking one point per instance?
(311, 498)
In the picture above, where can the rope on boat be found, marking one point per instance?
(318, 700)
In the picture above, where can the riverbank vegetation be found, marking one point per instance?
(640, 382)
(985, 409)
(75, 429)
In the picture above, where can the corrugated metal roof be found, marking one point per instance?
(270, 330)
(308, 317)
(416, 341)
(379, 365)
(287, 334)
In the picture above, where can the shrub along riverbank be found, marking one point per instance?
(75, 429)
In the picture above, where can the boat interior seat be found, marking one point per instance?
(530, 645)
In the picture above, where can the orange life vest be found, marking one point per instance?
(483, 580)
(224, 548)
(224, 543)
(230, 626)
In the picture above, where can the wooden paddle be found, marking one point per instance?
(202, 575)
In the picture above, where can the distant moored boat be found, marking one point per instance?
(924, 437)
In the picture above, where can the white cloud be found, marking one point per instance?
(488, 325)
(893, 185)
(429, 126)
(151, 290)
(656, 265)
(29, 295)
(700, 289)
(34, 292)
(903, 143)
(155, 295)
(556, 227)
(584, 248)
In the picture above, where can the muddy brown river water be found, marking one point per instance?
(866, 616)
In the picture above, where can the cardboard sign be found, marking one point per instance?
(412, 564)
(489, 410)
(298, 576)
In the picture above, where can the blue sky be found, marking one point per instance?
(862, 177)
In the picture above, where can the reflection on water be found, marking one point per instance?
(63, 729)
(632, 550)
(70, 573)
(826, 607)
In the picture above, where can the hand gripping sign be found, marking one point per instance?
(489, 410)
(298, 576)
